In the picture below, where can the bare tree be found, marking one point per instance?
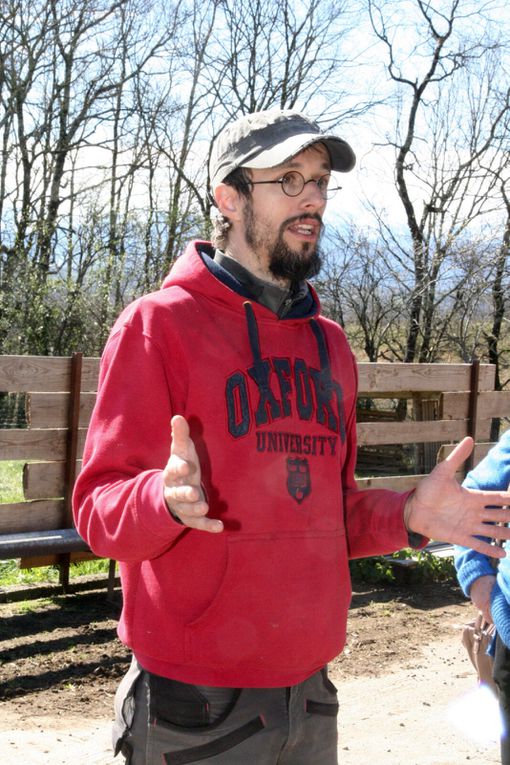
(64, 68)
(447, 144)
(499, 290)
(110, 107)
(358, 290)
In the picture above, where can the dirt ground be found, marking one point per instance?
(60, 663)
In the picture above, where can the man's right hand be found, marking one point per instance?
(183, 491)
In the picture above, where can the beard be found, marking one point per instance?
(292, 265)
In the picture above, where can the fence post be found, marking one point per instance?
(73, 422)
(474, 384)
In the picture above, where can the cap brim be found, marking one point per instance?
(342, 156)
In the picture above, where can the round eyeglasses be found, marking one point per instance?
(293, 183)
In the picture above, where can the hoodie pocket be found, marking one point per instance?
(283, 599)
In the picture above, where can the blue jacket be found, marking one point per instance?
(492, 473)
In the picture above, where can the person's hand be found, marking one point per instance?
(443, 510)
(480, 594)
(183, 492)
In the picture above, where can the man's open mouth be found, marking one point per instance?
(305, 228)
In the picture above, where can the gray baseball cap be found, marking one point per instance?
(269, 138)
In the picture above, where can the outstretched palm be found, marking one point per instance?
(443, 510)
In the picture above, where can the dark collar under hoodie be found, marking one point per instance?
(295, 301)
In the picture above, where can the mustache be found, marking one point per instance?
(303, 217)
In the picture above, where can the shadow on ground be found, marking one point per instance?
(417, 593)
(62, 643)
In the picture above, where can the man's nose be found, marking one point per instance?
(311, 195)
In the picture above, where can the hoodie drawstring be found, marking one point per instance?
(326, 389)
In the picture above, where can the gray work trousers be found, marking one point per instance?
(164, 722)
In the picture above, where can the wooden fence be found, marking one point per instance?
(444, 402)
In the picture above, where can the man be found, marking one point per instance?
(234, 549)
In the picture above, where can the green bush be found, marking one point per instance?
(380, 570)
(11, 481)
(12, 575)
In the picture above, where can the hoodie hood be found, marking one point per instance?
(185, 271)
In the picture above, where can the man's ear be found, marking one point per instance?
(228, 201)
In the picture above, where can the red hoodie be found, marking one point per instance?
(271, 406)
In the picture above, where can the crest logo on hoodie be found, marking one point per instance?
(298, 479)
